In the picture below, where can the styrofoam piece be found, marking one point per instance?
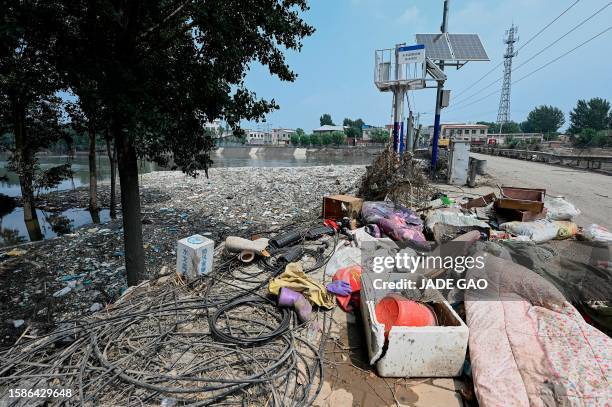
(431, 351)
(458, 162)
(194, 256)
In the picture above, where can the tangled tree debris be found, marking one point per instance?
(400, 179)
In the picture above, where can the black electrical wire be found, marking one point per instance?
(264, 349)
(283, 322)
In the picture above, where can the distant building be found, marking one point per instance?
(328, 129)
(551, 144)
(255, 137)
(501, 139)
(474, 133)
(281, 137)
(367, 131)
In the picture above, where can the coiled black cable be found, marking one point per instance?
(282, 315)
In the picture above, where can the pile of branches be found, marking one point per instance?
(218, 340)
(402, 180)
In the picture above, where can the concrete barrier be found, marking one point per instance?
(599, 163)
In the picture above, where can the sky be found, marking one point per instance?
(335, 66)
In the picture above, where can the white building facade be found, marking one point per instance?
(282, 137)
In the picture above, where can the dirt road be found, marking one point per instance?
(590, 192)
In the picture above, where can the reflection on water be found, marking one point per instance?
(80, 166)
(14, 230)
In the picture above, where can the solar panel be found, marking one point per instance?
(467, 47)
(453, 47)
(436, 46)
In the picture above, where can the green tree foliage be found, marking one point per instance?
(338, 138)
(592, 138)
(511, 142)
(315, 139)
(52, 177)
(593, 114)
(326, 139)
(354, 127)
(304, 140)
(163, 69)
(544, 119)
(326, 119)
(295, 139)
(507, 128)
(380, 136)
(300, 132)
(527, 127)
(29, 108)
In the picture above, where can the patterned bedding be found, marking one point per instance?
(529, 347)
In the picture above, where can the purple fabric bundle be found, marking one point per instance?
(395, 221)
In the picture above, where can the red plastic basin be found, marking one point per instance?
(395, 310)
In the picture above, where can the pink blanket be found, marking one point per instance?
(529, 347)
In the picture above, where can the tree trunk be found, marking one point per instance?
(112, 159)
(93, 178)
(24, 160)
(130, 206)
(33, 228)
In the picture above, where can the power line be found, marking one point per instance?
(523, 46)
(539, 52)
(566, 34)
(536, 70)
(547, 25)
(562, 55)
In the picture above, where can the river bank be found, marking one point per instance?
(85, 269)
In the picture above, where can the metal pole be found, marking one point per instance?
(410, 131)
(434, 147)
(398, 96)
(398, 128)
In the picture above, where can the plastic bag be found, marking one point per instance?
(597, 233)
(453, 217)
(345, 256)
(395, 221)
(538, 231)
(566, 230)
(557, 208)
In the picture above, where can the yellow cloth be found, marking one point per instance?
(294, 277)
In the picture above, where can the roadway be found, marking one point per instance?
(589, 191)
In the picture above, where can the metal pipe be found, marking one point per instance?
(397, 118)
(434, 147)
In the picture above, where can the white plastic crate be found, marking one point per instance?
(432, 351)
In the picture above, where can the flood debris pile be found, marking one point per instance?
(218, 338)
(244, 316)
(397, 179)
(88, 263)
